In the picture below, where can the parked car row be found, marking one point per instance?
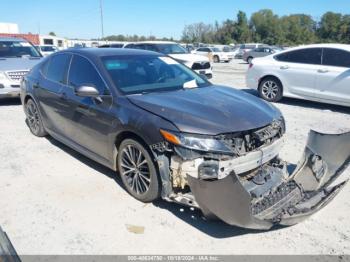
(214, 53)
(199, 64)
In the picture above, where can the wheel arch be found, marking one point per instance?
(127, 134)
(27, 97)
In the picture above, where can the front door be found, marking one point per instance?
(299, 70)
(91, 119)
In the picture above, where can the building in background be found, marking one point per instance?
(59, 42)
(9, 28)
(12, 30)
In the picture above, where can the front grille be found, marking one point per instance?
(200, 66)
(278, 200)
(16, 75)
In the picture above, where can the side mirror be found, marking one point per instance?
(87, 91)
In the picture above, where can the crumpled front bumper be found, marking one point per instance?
(315, 182)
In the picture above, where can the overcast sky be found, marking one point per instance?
(162, 18)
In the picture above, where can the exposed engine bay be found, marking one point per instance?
(252, 187)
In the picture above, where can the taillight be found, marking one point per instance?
(250, 65)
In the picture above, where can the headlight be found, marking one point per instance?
(196, 142)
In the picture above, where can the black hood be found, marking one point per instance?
(209, 110)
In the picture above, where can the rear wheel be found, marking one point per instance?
(138, 172)
(34, 120)
(271, 89)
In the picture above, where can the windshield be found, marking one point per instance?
(171, 49)
(215, 49)
(10, 49)
(148, 73)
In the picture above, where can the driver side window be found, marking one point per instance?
(82, 72)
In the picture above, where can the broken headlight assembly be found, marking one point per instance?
(196, 142)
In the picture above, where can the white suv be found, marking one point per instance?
(199, 64)
(214, 53)
(314, 72)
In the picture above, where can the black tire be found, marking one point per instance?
(139, 173)
(271, 89)
(33, 119)
(216, 59)
(249, 60)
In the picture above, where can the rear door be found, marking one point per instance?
(298, 69)
(90, 118)
(333, 76)
(49, 92)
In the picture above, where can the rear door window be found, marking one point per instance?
(151, 47)
(336, 57)
(56, 68)
(302, 56)
(82, 72)
(138, 46)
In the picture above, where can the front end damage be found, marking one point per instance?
(252, 187)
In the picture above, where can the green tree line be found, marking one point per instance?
(266, 27)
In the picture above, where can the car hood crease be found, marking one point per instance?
(209, 110)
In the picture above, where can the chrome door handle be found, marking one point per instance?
(323, 70)
(284, 67)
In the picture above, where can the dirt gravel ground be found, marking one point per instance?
(55, 201)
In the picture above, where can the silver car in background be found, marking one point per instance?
(260, 52)
(17, 57)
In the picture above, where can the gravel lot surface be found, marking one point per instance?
(55, 201)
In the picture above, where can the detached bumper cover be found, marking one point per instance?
(314, 183)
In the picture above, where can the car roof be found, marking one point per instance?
(100, 52)
(330, 45)
(12, 39)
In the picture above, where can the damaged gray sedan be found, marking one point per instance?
(171, 134)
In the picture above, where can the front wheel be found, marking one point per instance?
(271, 89)
(34, 120)
(138, 171)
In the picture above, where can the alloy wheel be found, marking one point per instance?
(33, 117)
(135, 169)
(270, 89)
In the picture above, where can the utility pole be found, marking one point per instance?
(101, 11)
